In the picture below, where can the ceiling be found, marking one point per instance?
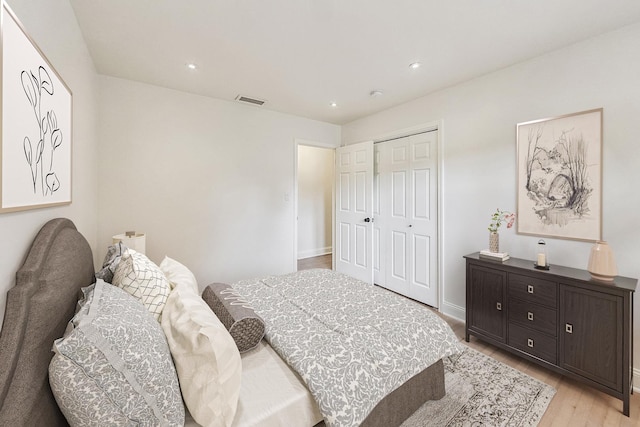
(302, 55)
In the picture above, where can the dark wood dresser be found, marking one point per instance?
(558, 318)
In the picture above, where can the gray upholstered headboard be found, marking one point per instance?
(39, 307)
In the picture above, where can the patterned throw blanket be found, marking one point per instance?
(352, 343)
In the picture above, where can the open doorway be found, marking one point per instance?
(315, 169)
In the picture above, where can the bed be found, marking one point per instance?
(44, 300)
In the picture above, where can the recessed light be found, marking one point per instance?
(191, 66)
(414, 65)
(375, 93)
(333, 104)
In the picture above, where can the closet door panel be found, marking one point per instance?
(407, 221)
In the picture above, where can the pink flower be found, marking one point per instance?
(498, 217)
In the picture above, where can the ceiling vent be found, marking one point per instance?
(248, 100)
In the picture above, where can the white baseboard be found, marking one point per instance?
(309, 253)
(453, 310)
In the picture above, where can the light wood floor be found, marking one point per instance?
(322, 261)
(573, 405)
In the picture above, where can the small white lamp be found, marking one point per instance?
(133, 240)
(602, 265)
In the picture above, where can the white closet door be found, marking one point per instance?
(354, 211)
(406, 188)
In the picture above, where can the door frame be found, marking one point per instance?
(436, 125)
(297, 142)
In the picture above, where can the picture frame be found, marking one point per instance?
(36, 123)
(559, 176)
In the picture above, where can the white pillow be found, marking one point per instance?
(141, 278)
(177, 273)
(206, 358)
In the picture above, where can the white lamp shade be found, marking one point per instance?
(602, 264)
(133, 240)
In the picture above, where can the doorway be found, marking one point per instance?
(314, 202)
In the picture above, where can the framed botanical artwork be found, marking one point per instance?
(36, 123)
(559, 181)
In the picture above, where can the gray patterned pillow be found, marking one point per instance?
(111, 261)
(235, 313)
(113, 366)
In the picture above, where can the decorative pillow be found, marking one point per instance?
(235, 313)
(140, 277)
(177, 273)
(206, 359)
(111, 261)
(113, 365)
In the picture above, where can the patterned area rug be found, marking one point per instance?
(484, 392)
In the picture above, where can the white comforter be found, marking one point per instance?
(352, 343)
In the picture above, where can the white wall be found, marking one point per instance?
(315, 186)
(207, 179)
(52, 25)
(479, 150)
(211, 182)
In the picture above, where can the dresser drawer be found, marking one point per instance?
(534, 290)
(533, 342)
(535, 316)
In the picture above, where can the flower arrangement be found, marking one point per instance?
(499, 217)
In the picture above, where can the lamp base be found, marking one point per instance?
(602, 265)
(601, 277)
(541, 267)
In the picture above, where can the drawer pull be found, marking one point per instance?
(568, 328)
(530, 289)
(529, 342)
(499, 306)
(530, 315)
